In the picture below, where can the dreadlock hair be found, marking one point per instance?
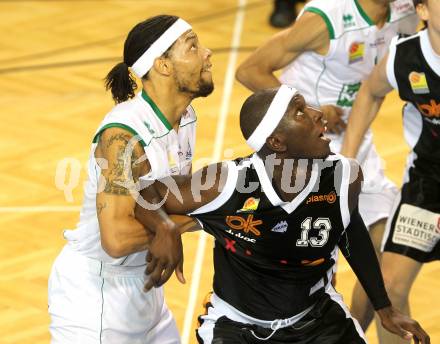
(119, 80)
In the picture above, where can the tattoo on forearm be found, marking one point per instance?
(123, 174)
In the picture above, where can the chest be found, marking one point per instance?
(172, 153)
(356, 52)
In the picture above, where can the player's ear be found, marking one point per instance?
(162, 65)
(422, 11)
(276, 142)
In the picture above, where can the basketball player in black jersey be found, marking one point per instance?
(412, 67)
(278, 218)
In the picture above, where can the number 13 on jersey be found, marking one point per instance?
(323, 224)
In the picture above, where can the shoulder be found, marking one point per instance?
(322, 12)
(335, 15)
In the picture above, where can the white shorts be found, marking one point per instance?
(94, 303)
(378, 192)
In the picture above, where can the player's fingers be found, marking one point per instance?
(341, 123)
(149, 257)
(419, 334)
(338, 111)
(179, 272)
(165, 276)
(335, 128)
(154, 277)
(404, 333)
(151, 266)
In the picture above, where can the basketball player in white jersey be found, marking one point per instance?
(330, 49)
(412, 236)
(96, 284)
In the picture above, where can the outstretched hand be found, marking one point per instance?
(402, 325)
(165, 255)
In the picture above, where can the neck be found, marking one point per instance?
(378, 12)
(168, 99)
(434, 39)
(289, 175)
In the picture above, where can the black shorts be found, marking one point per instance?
(413, 229)
(327, 323)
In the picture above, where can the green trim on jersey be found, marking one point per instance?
(118, 125)
(324, 16)
(363, 14)
(157, 110)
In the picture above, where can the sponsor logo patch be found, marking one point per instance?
(356, 52)
(417, 228)
(348, 94)
(418, 83)
(250, 205)
(430, 110)
(280, 227)
(246, 225)
(348, 21)
(329, 198)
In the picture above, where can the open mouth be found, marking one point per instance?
(322, 136)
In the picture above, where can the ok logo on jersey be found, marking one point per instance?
(430, 110)
(247, 225)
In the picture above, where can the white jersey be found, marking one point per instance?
(356, 45)
(169, 152)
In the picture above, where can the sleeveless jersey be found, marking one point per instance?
(413, 68)
(169, 152)
(356, 44)
(273, 259)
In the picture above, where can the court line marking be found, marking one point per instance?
(41, 209)
(218, 145)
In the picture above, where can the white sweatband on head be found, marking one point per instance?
(272, 118)
(166, 40)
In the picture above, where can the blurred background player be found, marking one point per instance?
(96, 283)
(284, 13)
(412, 237)
(326, 54)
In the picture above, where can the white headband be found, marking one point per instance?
(166, 40)
(272, 118)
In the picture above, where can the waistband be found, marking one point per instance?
(77, 261)
(235, 315)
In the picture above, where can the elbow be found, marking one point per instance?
(242, 75)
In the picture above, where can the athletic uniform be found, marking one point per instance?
(94, 298)
(356, 44)
(274, 260)
(413, 68)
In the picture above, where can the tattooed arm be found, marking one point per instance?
(121, 233)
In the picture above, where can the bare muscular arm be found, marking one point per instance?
(365, 108)
(309, 33)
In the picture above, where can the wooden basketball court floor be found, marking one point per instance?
(53, 57)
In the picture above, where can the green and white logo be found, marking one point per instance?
(348, 21)
(348, 94)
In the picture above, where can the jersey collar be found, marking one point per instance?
(268, 189)
(365, 16)
(157, 111)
